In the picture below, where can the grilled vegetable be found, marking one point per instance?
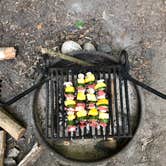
(83, 124)
(70, 112)
(80, 106)
(69, 89)
(102, 102)
(81, 80)
(70, 103)
(81, 89)
(93, 112)
(101, 94)
(93, 116)
(100, 85)
(91, 98)
(93, 122)
(91, 106)
(71, 128)
(103, 108)
(69, 96)
(90, 78)
(81, 113)
(81, 96)
(103, 117)
(71, 117)
(70, 108)
(82, 118)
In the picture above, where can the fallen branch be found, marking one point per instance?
(10, 125)
(32, 156)
(64, 57)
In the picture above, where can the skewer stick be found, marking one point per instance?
(82, 133)
(64, 57)
(104, 132)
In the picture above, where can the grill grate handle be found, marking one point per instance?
(148, 88)
(125, 62)
(24, 93)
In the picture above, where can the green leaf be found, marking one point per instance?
(79, 24)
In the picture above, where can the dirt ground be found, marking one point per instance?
(138, 26)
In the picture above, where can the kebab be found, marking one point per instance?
(91, 101)
(101, 94)
(91, 98)
(80, 106)
(70, 104)
(90, 80)
(102, 105)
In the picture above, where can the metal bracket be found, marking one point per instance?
(125, 62)
(22, 94)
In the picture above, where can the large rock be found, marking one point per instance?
(104, 48)
(70, 46)
(89, 47)
(13, 153)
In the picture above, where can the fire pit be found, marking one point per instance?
(50, 116)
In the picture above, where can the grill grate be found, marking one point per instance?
(117, 93)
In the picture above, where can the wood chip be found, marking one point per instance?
(7, 53)
(32, 156)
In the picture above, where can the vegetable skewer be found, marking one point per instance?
(102, 104)
(70, 104)
(91, 104)
(80, 107)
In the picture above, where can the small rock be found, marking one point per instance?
(70, 46)
(104, 48)
(10, 162)
(89, 47)
(13, 152)
(149, 54)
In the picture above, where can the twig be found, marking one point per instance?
(64, 57)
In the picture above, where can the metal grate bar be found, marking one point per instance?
(109, 83)
(52, 107)
(57, 103)
(121, 102)
(47, 109)
(63, 99)
(127, 106)
(116, 101)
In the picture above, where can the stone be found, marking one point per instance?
(13, 153)
(10, 162)
(70, 46)
(104, 48)
(149, 54)
(89, 47)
